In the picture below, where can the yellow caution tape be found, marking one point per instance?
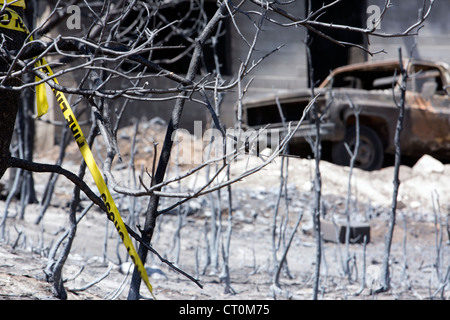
(41, 96)
(113, 212)
(69, 116)
(16, 3)
(12, 21)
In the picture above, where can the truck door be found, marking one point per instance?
(427, 120)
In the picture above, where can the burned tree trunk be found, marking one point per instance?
(11, 40)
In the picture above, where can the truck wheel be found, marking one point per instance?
(370, 154)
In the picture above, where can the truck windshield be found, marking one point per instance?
(366, 79)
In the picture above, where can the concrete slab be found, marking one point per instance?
(335, 232)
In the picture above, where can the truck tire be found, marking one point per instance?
(371, 151)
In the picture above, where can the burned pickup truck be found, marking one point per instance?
(371, 91)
